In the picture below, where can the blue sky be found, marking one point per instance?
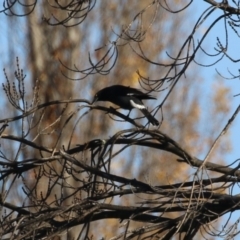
(224, 66)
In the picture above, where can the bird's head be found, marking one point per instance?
(100, 96)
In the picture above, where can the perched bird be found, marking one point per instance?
(126, 98)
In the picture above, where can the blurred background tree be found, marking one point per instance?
(68, 51)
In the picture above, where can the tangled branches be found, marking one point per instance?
(59, 173)
(76, 11)
(90, 184)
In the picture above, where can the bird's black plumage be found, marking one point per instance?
(126, 98)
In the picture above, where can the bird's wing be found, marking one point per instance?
(138, 94)
(135, 103)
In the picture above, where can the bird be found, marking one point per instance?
(126, 98)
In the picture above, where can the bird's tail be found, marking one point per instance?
(150, 118)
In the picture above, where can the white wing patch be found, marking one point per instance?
(135, 105)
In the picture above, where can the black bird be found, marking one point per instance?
(126, 98)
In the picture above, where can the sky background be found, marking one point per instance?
(223, 67)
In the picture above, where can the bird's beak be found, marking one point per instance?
(95, 99)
